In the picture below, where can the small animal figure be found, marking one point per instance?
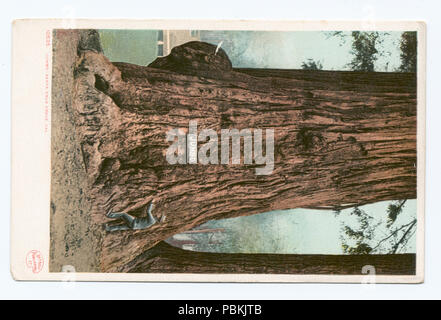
(131, 222)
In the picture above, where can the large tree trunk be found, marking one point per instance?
(164, 258)
(341, 139)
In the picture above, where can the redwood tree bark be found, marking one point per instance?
(164, 258)
(341, 139)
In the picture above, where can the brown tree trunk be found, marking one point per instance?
(164, 258)
(341, 139)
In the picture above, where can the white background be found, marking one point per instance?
(428, 11)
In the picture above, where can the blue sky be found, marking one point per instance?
(305, 231)
(259, 49)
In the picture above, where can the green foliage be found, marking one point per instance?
(361, 236)
(367, 236)
(408, 56)
(310, 64)
(361, 248)
(364, 50)
(393, 210)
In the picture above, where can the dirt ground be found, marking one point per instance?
(75, 241)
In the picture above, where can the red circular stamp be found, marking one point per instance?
(34, 261)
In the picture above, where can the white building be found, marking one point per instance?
(168, 39)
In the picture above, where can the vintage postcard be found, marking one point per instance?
(224, 151)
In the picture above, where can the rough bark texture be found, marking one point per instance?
(164, 258)
(341, 138)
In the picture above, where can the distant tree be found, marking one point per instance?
(310, 64)
(363, 238)
(408, 56)
(364, 50)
